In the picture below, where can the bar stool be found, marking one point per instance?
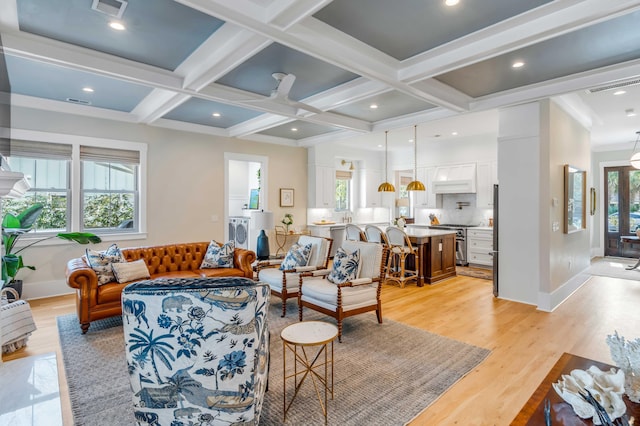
(354, 233)
(374, 234)
(400, 250)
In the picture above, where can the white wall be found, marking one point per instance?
(539, 265)
(185, 186)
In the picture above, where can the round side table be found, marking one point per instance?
(298, 339)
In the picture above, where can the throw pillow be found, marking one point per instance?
(297, 255)
(345, 266)
(100, 262)
(129, 271)
(218, 256)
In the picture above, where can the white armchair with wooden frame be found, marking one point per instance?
(284, 282)
(353, 296)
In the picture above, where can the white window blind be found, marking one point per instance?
(343, 175)
(43, 150)
(94, 153)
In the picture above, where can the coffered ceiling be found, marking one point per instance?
(208, 65)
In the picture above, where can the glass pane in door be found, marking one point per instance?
(634, 201)
(613, 218)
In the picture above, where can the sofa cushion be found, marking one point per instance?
(100, 262)
(129, 271)
(346, 266)
(219, 272)
(298, 255)
(218, 256)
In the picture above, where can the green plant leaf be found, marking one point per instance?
(29, 216)
(10, 221)
(80, 237)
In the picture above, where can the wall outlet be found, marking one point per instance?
(555, 227)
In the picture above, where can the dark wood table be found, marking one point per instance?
(532, 413)
(630, 239)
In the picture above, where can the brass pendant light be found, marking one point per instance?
(386, 186)
(415, 185)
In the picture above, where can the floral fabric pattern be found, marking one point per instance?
(218, 256)
(100, 261)
(298, 255)
(346, 266)
(197, 350)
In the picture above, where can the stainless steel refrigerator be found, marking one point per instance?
(496, 248)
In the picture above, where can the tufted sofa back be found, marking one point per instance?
(169, 258)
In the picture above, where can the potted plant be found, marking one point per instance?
(13, 227)
(287, 221)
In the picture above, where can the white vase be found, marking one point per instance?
(626, 355)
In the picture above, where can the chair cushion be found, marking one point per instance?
(298, 255)
(370, 257)
(273, 277)
(319, 252)
(218, 256)
(129, 271)
(346, 266)
(100, 262)
(320, 292)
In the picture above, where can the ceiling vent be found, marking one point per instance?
(614, 85)
(78, 101)
(113, 8)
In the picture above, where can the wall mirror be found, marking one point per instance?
(575, 199)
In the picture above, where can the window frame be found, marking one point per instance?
(75, 176)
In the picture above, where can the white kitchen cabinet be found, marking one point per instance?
(322, 187)
(487, 173)
(369, 182)
(480, 246)
(426, 199)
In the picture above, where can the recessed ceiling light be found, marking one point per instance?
(373, 106)
(454, 133)
(451, 2)
(118, 26)
(630, 112)
(87, 89)
(294, 129)
(619, 92)
(216, 114)
(379, 146)
(410, 140)
(517, 64)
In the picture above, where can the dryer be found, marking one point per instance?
(239, 231)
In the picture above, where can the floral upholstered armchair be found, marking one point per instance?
(197, 349)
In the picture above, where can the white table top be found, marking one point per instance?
(309, 333)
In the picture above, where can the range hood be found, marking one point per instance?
(457, 179)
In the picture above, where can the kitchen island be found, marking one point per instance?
(436, 252)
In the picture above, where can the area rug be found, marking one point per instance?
(385, 374)
(485, 274)
(614, 267)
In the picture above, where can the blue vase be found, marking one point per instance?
(262, 247)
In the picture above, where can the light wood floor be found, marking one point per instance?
(525, 343)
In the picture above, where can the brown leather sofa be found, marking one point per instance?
(95, 302)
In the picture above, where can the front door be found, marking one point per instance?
(622, 195)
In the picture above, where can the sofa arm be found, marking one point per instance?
(80, 276)
(242, 259)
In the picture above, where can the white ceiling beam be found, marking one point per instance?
(189, 127)
(558, 86)
(34, 47)
(283, 14)
(9, 15)
(542, 23)
(25, 101)
(317, 39)
(157, 104)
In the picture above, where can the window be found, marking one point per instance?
(343, 190)
(109, 189)
(103, 196)
(46, 168)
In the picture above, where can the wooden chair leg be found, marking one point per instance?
(284, 305)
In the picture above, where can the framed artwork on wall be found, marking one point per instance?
(286, 197)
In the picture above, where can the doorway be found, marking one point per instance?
(622, 209)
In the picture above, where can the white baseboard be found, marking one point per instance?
(547, 302)
(42, 289)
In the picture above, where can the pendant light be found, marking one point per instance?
(415, 185)
(635, 156)
(386, 186)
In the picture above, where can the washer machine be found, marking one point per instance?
(239, 231)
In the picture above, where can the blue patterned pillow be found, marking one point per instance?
(218, 256)
(100, 262)
(345, 266)
(297, 255)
